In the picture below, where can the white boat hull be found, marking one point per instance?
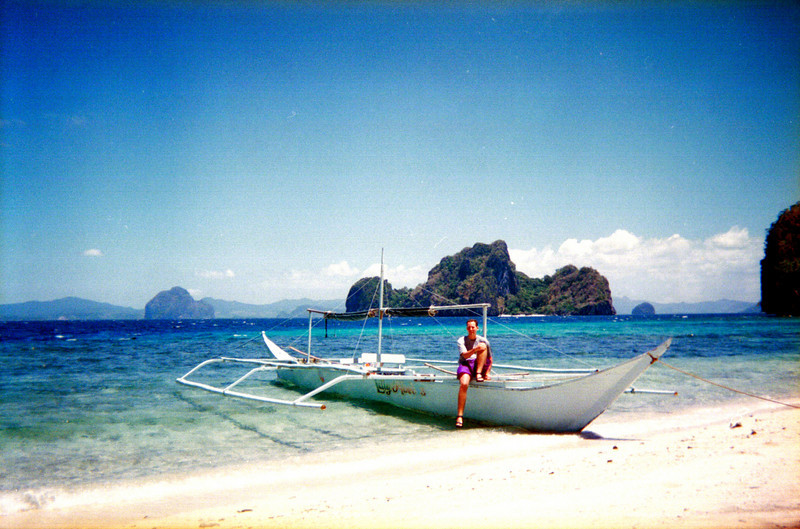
(564, 407)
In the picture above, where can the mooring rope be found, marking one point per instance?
(575, 358)
(687, 373)
(256, 337)
(543, 343)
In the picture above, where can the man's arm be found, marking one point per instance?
(479, 347)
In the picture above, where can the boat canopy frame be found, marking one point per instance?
(382, 312)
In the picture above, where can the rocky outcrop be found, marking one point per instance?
(643, 309)
(364, 294)
(578, 292)
(780, 268)
(177, 304)
(485, 273)
(481, 274)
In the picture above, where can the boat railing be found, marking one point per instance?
(568, 371)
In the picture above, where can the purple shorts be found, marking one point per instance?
(468, 367)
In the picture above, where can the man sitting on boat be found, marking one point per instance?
(474, 361)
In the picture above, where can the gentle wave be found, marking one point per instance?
(93, 404)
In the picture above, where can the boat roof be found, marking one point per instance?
(412, 312)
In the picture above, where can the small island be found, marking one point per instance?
(643, 309)
(177, 304)
(485, 273)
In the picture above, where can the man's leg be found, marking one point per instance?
(480, 359)
(462, 392)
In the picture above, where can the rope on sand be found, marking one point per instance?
(725, 387)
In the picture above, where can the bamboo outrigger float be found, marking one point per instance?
(538, 399)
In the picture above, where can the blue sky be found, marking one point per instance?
(257, 152)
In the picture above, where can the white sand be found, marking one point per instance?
(689, 469)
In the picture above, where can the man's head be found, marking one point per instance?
(472, 327)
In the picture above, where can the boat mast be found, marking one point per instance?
(310, 327)
(380, 312)
(485, 307)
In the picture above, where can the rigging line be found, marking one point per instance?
(284, 320)
(304, 336)
(364, 323)
(542, 343)
(281, 323)
(257, 336)
(319, 321)
(536, 340)
(437, 320)
(275, 326)
(679, 370)
(390, 334)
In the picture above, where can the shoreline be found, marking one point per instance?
(735, 465)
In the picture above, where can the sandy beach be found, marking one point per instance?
(732, 466)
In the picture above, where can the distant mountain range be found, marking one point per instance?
(67, 309)
(723, 306)
(72, 308)
(287, 308)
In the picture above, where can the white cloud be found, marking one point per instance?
(672, 269)
(340, 269)
(332, 281)
(215, 274)
(663, 270)
(407, 277)
(93, 252)
(195, 293)
(335, 280)
(308, 283)
(398, 276)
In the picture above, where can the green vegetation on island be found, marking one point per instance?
(485, 273)
(780, 268)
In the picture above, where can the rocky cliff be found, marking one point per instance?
(177, 304)
(577, 292)
(481, 274)
(780, 268)
(485, 273)
(364, 294)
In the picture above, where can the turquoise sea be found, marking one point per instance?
(93, 403)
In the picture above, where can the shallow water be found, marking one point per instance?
(88, 403)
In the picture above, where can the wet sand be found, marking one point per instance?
(732, 466)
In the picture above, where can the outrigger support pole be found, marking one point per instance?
(320, 389)
(227, 391)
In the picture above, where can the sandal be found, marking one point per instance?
(459, 421)
(479, 377)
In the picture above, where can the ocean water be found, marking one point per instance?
(86, 404)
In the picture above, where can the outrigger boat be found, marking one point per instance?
(537, 399)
